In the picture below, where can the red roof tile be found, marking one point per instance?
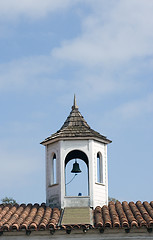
(145, 214)
(124, 215)
(55, 217)
(45, 218)
(41, 217)
(114, 215)
(30, 217)
(148, 208)
(106, 216)
(129, 215)
(98, 217)
(137, 214)
(22, 217)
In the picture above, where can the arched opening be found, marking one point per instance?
(99, 168)
(53, 169)
(76, 184)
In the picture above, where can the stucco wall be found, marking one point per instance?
(79, 235)
(100, 189)
(56, 193)
(53, 191)
(66, 147)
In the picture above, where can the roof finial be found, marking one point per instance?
(74, 103)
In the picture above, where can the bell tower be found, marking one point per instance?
(76, 164)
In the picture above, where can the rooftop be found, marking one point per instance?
(42, 218)
(75, 126)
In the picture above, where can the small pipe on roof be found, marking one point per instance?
(68, 231)
(28, 232)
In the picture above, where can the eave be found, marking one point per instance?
(56, 139)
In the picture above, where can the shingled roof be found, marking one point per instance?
(42, 218)
(76, 127)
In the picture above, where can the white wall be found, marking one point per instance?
(98, 192)
(100, 189)
(66, 147)
(53, 191)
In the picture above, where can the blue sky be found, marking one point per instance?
(100, 50)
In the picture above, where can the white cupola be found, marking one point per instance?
(76, 164)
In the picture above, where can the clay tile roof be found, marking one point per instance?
(114, 215)
(14, 217)
(98, 217)
(55, 217)
(145, 214)
(45, 218)
(28, 217)
(133, 222)
(41, 217)
(148, 208)
(106, 216)
(16, 225)
(75, 126)
(7, 213)
(137, 214)
(124, 215)
(37, 218)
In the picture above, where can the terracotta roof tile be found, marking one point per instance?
(46, 218)
(145, 214)
(137, 214)
(106, 216)
(7, 214)
(30, 217)
(4, 210)
(129, 214)
(41, 217)
(114, 215)
(55, 218)
(151, 203)
(122, 215)
(148, 208)
(14, 217)
(1, 207)
(98, 217)
(37, 219)
(22, 217)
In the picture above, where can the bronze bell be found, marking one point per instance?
(76, 168)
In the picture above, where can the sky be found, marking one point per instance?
(102, 51)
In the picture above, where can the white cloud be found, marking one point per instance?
(121, 33)
(14, 74)
(32, 8)
(113, 34)
(43, 74)
(134, 109)
(33, 73)
(104, 83)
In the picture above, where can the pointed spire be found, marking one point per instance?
(74, 103)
